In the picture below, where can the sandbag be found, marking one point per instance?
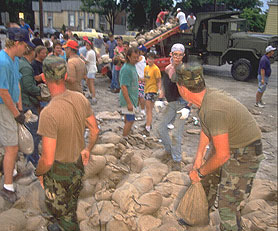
(148, 222)
(124, 196)
(95, 166)
(149, 203)
(193, 207)
(25, 140)
(12, 220)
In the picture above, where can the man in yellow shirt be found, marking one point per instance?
(152, 78)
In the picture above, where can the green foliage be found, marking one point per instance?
(108, 8)
(143, 13)
(13, 7)
(255, 19)
(242, 4)
(199, 5)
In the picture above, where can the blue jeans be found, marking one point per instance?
(262, 87)
(169, 115)
(33, 128)
(115, 79)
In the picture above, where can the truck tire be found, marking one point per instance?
(241, 69)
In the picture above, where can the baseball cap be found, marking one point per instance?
(85, 38)
(100, 35)
(177, 47)
(269, 48)
(54, 68)
(21, 35)
(142, 48)
(179, 9)
(88, 41)
(119, 37)
(191, 76)
(72, 44)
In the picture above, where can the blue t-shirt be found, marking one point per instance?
(26, 27)
(129, 78)
(83, 51)
(265, 64)
(10, 75)
(111, 47)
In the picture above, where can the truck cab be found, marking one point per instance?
(221, 37)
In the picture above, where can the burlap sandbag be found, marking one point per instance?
(193, 207)
(25, 140)
(12, 220)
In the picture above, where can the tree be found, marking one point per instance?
(108, 8)
(143, 13)
(13, 7)
(250, 8)
(255, 19)
(201, 5)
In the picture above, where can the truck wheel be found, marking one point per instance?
(241, 69)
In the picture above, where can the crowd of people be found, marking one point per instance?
(26, 68)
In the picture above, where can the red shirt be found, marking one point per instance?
(161, 15)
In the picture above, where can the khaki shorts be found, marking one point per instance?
(8, 127)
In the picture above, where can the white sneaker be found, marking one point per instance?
(262, 102)
(170, 126)
(259, 105)
(143, 112)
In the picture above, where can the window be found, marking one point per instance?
(71, 20)
(49, 22)
(102, 23)
(218, 27)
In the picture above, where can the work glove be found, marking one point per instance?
(158, 105)
(20, 118)
(184, 113)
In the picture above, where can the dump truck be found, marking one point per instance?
(217, 38)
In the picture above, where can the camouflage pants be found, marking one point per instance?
(233, 182)
(62, 185)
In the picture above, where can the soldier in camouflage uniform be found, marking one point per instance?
(62, 125)
(235, 139)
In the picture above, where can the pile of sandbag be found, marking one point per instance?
(143, 38)
(128, 188)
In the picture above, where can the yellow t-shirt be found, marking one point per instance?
(151, 74)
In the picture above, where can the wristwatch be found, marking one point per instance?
(200, 174)
(37, 175)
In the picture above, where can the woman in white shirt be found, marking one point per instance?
(91, 65)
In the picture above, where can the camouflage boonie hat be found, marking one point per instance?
(54, 68)
(191, 76)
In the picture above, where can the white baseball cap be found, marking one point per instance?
(269, 48)
(179, 9)
(177, 47)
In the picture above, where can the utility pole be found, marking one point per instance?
(215, 5)
(41, 18)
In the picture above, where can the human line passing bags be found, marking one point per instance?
(193, 207)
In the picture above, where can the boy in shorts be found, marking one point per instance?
(152, 78)
(129, 89)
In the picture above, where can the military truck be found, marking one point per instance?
(218, 38)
